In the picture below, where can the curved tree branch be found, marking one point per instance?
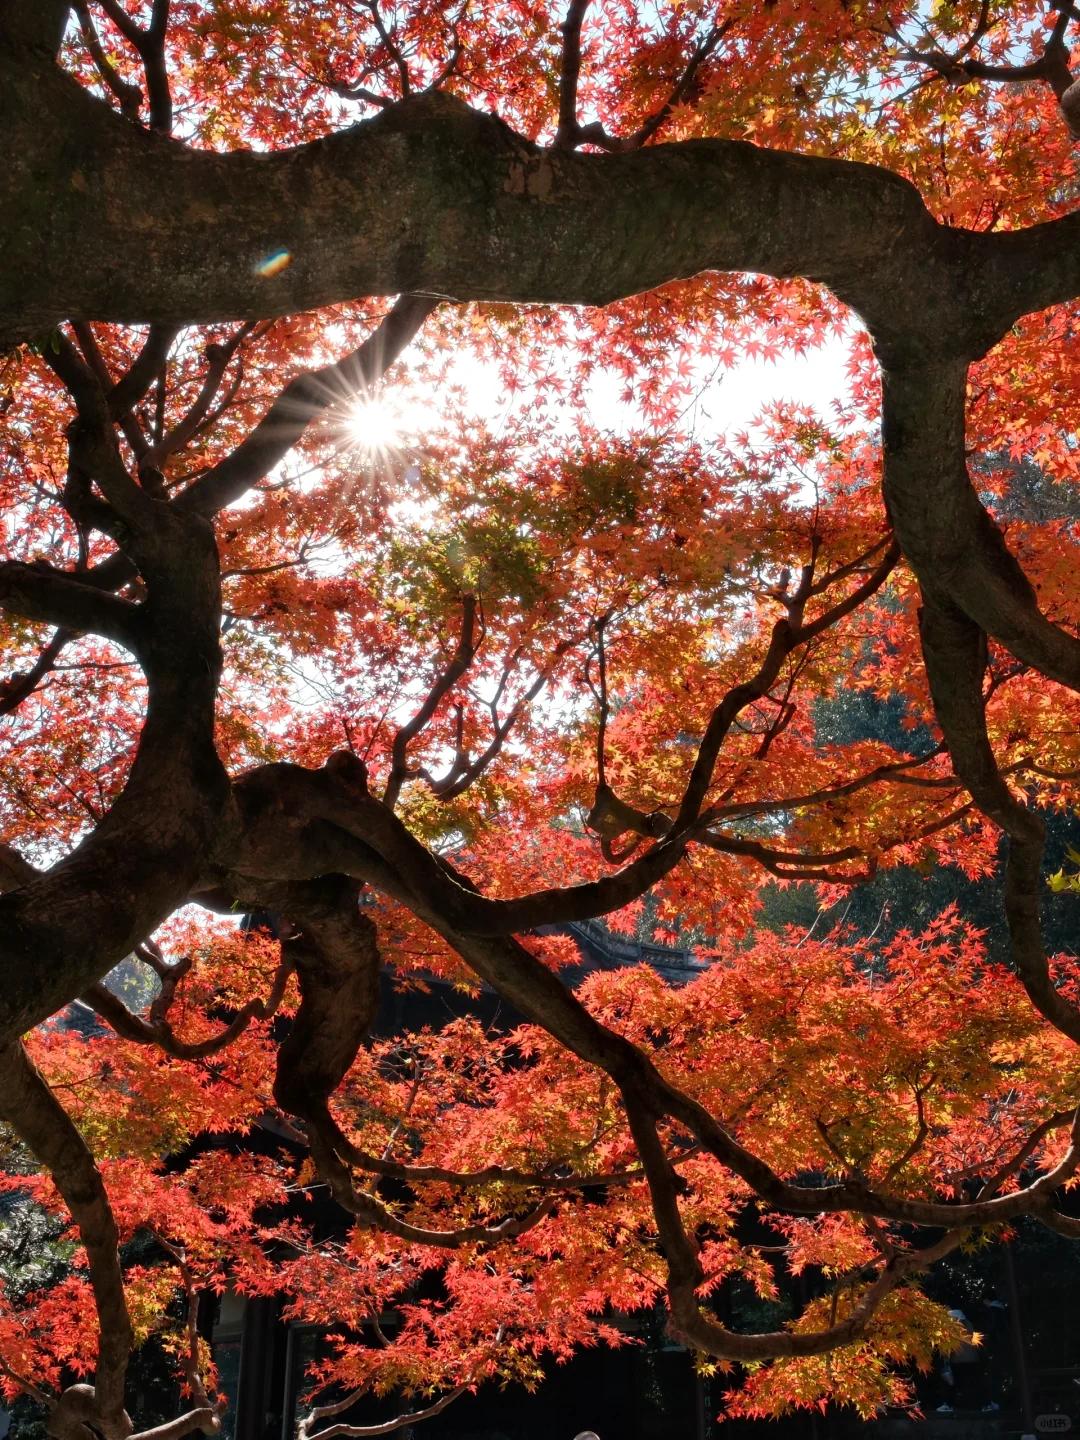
(685, 1273)
(30, 1108)
(947, 535)
(387, 1427)
(20, 687)
(38, 592)
(67, 928)
(457, 666)
(157, 1031)
(954, 649)
(461, 219)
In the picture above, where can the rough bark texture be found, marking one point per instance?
(434, 197)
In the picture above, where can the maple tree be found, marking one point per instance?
(507, 676)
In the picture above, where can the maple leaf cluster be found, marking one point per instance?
(416, 702)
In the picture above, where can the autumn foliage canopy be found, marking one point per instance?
(300, 624)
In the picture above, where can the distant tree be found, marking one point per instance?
(910, 896)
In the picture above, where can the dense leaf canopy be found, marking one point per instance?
(299, 623)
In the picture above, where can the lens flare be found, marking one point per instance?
(274, 264)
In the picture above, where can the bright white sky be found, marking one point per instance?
(736, 397)
(727, 404)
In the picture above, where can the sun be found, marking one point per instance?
(374, 426)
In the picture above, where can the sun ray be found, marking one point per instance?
(374, 426)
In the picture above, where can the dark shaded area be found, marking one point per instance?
(908, 898)
(648, 1390)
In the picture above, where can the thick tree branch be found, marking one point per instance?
(569, 131)
(947, 535)
(303, 823)
(477, 212)
(38, 592)
(65, 930)
(281, 802)
(300, 403)
(144, 858)
(542, 997)
(144, 370)
(32, 27)
(205, 1419)
(93, 450)
(539, 994)
(150, 45)
(125, 416)
(129, 96)
(1050, 66)
(30, 1108)
(335, 955)
(955, 652)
